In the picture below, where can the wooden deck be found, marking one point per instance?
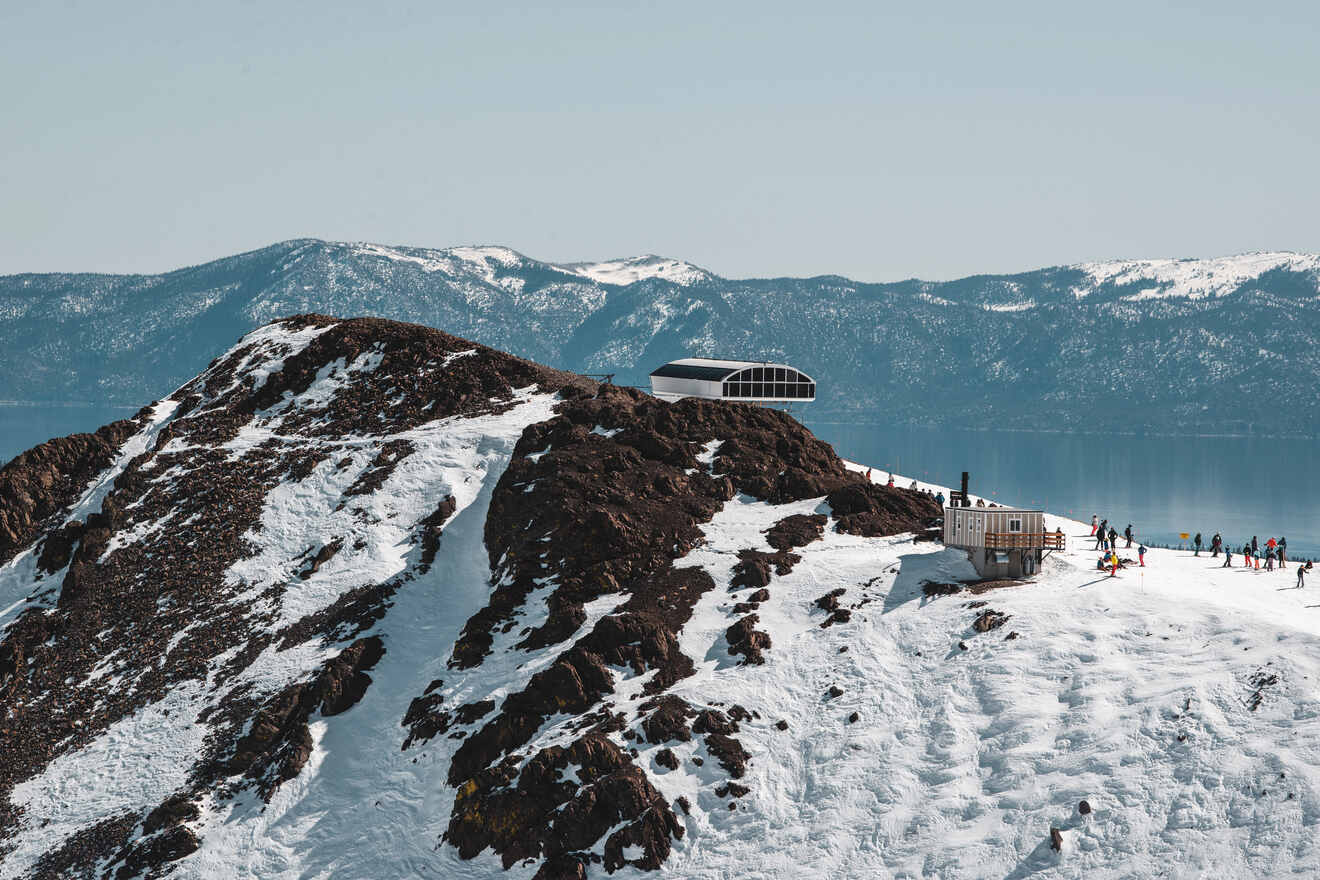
(1026, 540)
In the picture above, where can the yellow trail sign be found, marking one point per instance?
(1184, 535)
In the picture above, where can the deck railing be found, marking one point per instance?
(1031, 540)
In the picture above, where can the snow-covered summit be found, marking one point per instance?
(633, 269)
(1195, 278)
(488, 262)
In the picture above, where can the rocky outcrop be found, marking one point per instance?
(146, 606)
(614, 480)
(872, 510)
(46, 479)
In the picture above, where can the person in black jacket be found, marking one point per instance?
(1127, 533)
(1254, 545)
(1197, 541)
(1216, 544)
(1283, 552)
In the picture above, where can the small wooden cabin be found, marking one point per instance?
(742, 381)
(1006, 542)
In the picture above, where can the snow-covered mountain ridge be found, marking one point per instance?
(1227, 346)
(367, 600)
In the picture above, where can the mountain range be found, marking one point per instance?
(1223, 345)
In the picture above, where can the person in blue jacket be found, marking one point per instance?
(1141, 554)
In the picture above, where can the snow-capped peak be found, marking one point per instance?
(1195, 278)
(632, 269)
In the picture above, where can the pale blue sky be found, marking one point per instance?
(874, 140)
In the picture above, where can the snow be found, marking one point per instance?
(633, 269)
(139, 761)
(1194, 279)
(962, 761)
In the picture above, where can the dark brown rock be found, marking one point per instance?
(988, 620)
(745, 639)
(796, 531)
(874, 511)
(729, 752)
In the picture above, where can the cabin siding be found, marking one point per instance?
(1001, 542)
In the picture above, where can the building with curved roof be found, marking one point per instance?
(743, 381)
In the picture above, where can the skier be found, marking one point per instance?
(1141, 554)
(1255, 555)
(1099, 539)
(939, 499)
(868, 475)
(1197, 542)
(1113, 539)
(1216, 544)
(1301, 575)
(1228, 557)
(1113, 561)
(1254, 546)
(1127, 533)
(1269, 559)
(890, 484)
(1093, 523)
(1283, 552)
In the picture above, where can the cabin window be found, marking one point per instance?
(1015, 525)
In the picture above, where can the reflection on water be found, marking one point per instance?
(1236, 486)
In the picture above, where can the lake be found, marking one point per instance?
(1236, 486)
(1163, 485)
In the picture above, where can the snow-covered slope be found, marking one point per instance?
(367, 600)
(1195, 279)
(634, 269)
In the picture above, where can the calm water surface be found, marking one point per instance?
(1238, 487)
(1163, 485)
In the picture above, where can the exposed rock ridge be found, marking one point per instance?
(154, 597)
(599, 502)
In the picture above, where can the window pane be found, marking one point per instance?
(781, 388)
(758, 389)
(725, 391)
(780, 374)
(792, 376)
(811, 389)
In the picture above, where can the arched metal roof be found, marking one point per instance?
(713, 369)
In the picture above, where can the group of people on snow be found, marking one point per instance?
(1253, 553)
(1271, 552)
(1106, 539)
